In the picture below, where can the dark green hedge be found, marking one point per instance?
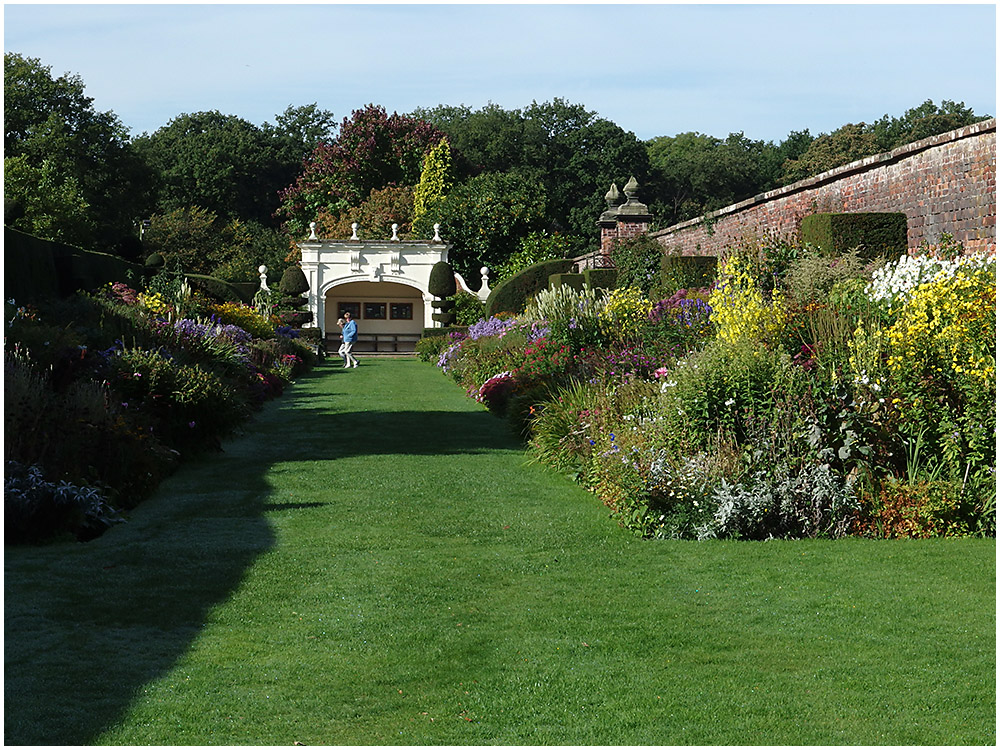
(512, 295)
(874, 234)
(246, 289)
(574, 280)
(36, 269)
(687, 272)
(600, 278)
(215, 287)
(29, 268)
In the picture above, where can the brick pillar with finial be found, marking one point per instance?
(633, 217)
(608, 222)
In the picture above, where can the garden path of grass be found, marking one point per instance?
(376, 562)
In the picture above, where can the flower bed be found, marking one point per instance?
(811, 397)
(148, 381)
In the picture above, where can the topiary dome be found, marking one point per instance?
(442, 280)
(293, 281)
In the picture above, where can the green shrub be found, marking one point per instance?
(512, 295)
(38, 269)
(639, 261)
(293, 281)
(193, 408)
(442, 285)
(442, 280)
(574, 280)
(217, 288)
(131, 461)
(601, 278)
(30, 270)
(311, 337)
(535, 248)
(468, 309)
(726, 385)
(429, 348)
(812, 277)
(686, 272)
(872, 234)
(559, 431)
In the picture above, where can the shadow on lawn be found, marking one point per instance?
(88, 627)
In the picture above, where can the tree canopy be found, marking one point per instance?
(67, 145)
(371, 151)
(505, 184)
(569, 153)
(219, 162)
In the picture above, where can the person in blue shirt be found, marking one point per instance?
(340, 352)
(350, 336)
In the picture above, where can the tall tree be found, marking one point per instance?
(52, 125)
(301, 129)
(44, 202)
(700, 173)
(219, 162)
(435, 179)
(845, 144)
(485, 219)
(491, 139)
(922, 122)
(566, 150)
(372, 150)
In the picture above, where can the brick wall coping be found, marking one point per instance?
(862, 165)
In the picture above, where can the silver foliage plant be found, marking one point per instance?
(815, 501)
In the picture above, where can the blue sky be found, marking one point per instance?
(654, 69)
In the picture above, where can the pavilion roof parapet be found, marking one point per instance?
(435, 240)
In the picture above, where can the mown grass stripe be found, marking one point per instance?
(377, 562)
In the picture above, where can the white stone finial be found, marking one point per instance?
(312, 230)
(484, 288)
(437, 235)
(354, 231)
(395, 230)
(263, 278)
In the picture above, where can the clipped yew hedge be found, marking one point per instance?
(875, 234)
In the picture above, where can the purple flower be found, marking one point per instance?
(491, 327)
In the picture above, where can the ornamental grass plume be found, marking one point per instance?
(572, 315)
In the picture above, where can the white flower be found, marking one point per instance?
(730, 402)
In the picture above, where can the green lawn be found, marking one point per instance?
(377, 562)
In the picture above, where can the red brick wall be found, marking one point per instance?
(609, 236)
(627, 226)
(946, 183)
